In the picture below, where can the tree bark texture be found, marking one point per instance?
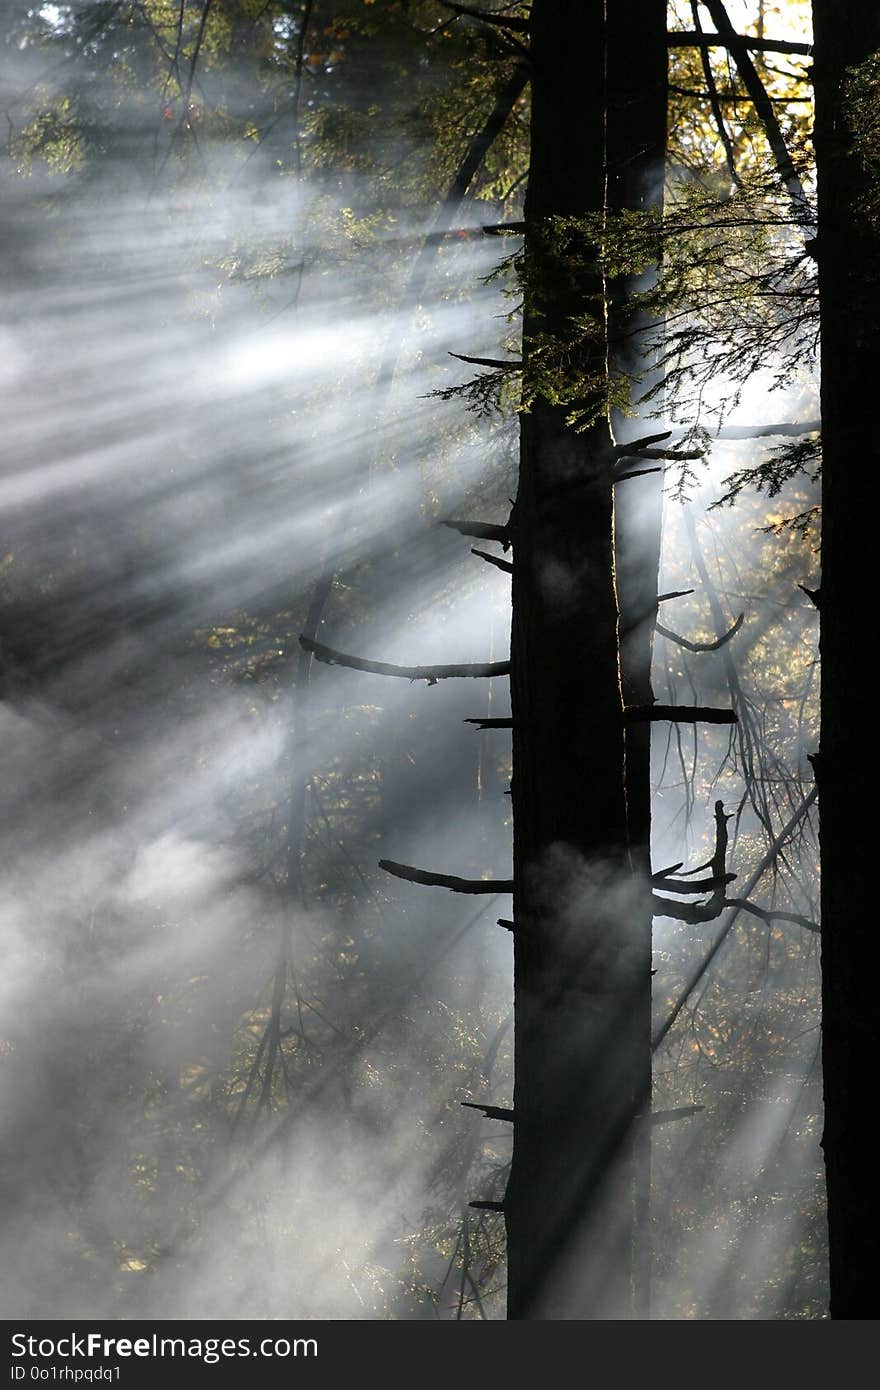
(581, 917)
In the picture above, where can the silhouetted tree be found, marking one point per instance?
(847, 78)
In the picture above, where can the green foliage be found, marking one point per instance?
(770, 476)
(55, 136)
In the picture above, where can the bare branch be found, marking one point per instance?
(685, 38)
(455, 885)
(501, 364)
(663, 1117)
(490, 723)
(696, 913)
(637, 473)
(632, 446)
(764, 109)
(517, 23)
(702, 646)
(480, 530)
(491, 1112)
(493, 560)
(670, 909)
(767, 431)
(679, 714)
(770, 914)
(664, 873)
(696, 886)
(431, 674)
(814, 595)
(714, 102)
(673, 593)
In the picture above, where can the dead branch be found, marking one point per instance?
(515, 23)
(768, 431)
(663, 1117)
(685, 38)
(673, 593)
(500, 364)
(696, 886)
(814, 595)
(490, 723)
(679, 714)
(632, 446)
(771, 915)
(701, 646)
(491, 1112)
(714, 102)
(493, 560)
(431, 674)
(696, 913)
(769, 858)
(676, 455)
(638, 473)
(664, 873)
(738, 48)
(480, 530)
(455, 885)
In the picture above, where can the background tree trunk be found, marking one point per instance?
(636, 140)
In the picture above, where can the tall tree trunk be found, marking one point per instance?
(636, 160)
(847, 33)
(582, 924)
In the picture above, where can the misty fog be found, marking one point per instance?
(194, 434)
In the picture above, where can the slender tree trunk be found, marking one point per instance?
(636, 144)
(847, 33)
(582, 927)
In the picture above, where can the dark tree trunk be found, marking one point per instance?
(847, 33)
(582, 923)
(636, 142)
